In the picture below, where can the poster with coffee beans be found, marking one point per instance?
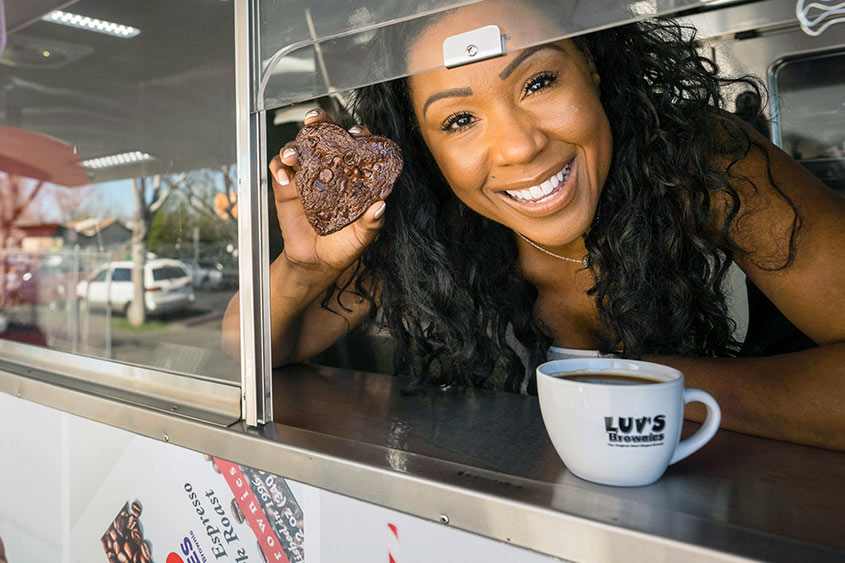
(124, 540)
(117, 496)
(160, 503)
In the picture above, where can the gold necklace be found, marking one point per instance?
(582, 261)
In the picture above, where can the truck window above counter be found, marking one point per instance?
(810, 115)
(118, 182)
(432, 248)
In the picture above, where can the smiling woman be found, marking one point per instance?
(529, 147)
(610, 150)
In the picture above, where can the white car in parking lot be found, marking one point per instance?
(167, 286)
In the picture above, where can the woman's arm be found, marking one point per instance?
(300, 327)
(798, 397)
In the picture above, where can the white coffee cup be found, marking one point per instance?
(619, 433)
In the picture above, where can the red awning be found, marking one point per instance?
(37, 156)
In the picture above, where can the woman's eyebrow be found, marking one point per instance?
(508, 70)
(524, 55)
(452, 93)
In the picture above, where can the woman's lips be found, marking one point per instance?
(549, 196)
(544, 190)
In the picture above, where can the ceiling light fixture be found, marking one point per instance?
(121, 159)
(91, 24)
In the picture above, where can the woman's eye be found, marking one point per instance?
(456, 122)
(539, 82)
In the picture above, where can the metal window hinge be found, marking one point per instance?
(472, 46)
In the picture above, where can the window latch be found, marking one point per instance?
(472, 46)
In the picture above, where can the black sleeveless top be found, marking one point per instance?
(769, 332)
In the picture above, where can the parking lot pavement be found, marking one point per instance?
(184, 341)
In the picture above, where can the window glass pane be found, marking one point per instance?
(169, 273)
(811, 114)
(121, 275)
(119, 149)
(313, 48)
(357, 44)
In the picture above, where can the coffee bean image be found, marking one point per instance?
(124, 541)
(237, 512)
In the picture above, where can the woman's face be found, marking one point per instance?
(522, 139)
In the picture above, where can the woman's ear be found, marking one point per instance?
(591, 65)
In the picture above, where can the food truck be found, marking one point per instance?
(139, 133)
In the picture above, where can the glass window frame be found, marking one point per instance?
(251, 82)
(774, 87)
(192, 396)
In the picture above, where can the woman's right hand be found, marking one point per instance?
(303, 246)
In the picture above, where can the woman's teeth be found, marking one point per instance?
(537, 194)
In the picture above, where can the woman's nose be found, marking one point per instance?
(515, 136)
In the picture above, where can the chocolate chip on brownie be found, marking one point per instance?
(341, 176)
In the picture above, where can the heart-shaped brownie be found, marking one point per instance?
(341, 176)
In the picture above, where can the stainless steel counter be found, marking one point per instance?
(481, 462)
(741, 495)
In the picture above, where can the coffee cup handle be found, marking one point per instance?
(707, 430)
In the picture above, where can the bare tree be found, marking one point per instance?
(203, 189)
(147, 204)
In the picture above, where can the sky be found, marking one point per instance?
(110, 200)
(105, 200)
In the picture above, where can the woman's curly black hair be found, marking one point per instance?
(449, 284)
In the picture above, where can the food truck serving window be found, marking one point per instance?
(316, 53)
(118, 205)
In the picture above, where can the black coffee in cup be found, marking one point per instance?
(609, 378)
